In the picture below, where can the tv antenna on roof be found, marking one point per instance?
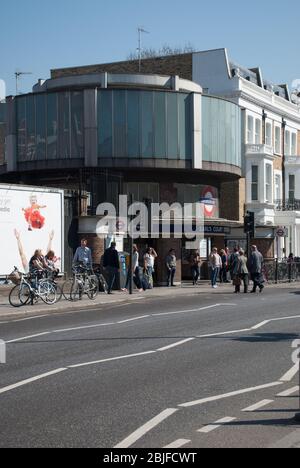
(18, 75)
(141, 31)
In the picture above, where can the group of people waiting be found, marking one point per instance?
(239, 269)
(143, 266)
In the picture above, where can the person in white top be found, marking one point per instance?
(215, 265)
(149, 263)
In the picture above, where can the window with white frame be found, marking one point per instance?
(291, 187)
(277, 187)
(287, 143)
(269, 139)
(294, 144)
(277, 140)
(254, 184)
(257, 131)
(269, 183)
(250, 130)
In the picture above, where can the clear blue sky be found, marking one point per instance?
(36, 35)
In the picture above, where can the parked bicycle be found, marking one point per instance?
(84, 282)
(29, 289)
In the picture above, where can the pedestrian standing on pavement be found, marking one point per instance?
(215, 265)
(111, 264)
(83, 255)
(171, 263)
(241, 273)
(149, 264)
(136, 271)
(233, 261)
(256, 261)
(290, 262)
(223, 271)
(196, 267)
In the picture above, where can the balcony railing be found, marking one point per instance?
(260, 149)
(287, 205)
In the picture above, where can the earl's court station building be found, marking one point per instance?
(172, 133)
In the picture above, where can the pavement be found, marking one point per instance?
(181, 368)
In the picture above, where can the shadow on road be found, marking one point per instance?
(267, 337)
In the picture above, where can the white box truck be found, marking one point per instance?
(30, 218)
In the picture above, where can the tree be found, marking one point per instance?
(164, 51)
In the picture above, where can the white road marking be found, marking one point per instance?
(29, 318)
(216, 425)
(260, 325)
(229, 395)
(224, 333)
(177, 444)
(139, 433)
(290, 374)
(84, 364)
(83, 328)
(187, 311)
(174, 345)
(257, 406)
(289, 392)
(28, 381)
(133, 319)
(28, 337)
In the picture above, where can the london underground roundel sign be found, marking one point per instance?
(209, 201)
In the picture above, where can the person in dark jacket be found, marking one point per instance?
(256, 261)
(111, 264)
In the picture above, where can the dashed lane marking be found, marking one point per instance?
(216, 425)
(257, 406)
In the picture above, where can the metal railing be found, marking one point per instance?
(291, 204)
(277, 271)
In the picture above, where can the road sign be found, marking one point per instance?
(281, 232)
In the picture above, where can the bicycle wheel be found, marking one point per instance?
(20, 295)
(93, 288)
(103, 284)
(59, 292)
(47, 292)
(57, 288)
(68, 288)
(76, 292)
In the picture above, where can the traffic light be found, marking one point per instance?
(249, 224)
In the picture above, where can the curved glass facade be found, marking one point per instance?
(221, 131)
(131, 123)
(50, 126)
(144, 124)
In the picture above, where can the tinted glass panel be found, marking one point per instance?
(77, 140)
(105, 123)
(147, 124)
(160, 125)
(52, 126)
(133, 124)
(119, 124)
(40, 101)
(21, 124)
(172, 116)
(64, 125)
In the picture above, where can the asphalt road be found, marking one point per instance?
(156, 373)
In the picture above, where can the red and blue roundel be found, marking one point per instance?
(208, 198)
